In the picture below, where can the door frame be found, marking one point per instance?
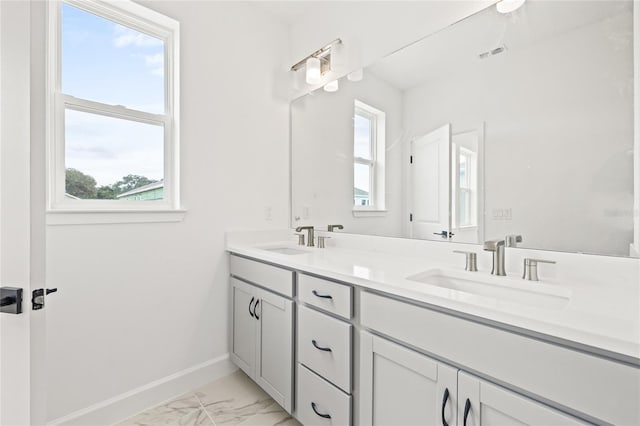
(22, 211)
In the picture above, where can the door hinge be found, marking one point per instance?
(411, 159)
(410, 217)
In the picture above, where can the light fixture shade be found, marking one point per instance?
(313, 71)
(508, 6)
(356, 75)
(331, 86)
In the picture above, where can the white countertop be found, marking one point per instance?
(597, 317)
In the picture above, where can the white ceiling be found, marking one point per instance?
(462, 42)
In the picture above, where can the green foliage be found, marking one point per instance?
(80, 185)
(84, 186)
(106, 193)
(129, 182)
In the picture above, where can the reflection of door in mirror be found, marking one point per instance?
(467, 197)
(430, 192)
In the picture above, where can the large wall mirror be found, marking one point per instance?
(501, 124)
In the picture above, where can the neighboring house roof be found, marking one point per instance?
(143, 188)
(357, 192)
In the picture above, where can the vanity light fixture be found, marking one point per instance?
(331, 86)
(318, 63)
(508, 6)
(314, 74)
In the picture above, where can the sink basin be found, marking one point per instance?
(285, 250)
(506, 289)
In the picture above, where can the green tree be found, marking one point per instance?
(79, 184)
(106, 192)
(129, 182)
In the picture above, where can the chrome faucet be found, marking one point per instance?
(309, 235)
(497, 247)
(330, 228)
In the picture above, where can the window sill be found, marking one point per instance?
(369, 213)
(95, 217)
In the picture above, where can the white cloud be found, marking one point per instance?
(156, 63)
(124, 37)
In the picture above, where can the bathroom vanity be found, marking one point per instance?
(354, 335)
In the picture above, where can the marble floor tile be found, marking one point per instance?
(170, 413)
(237, 400)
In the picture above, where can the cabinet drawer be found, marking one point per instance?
(332, 297)
(318, 399)
(271, 277)
(324, 346)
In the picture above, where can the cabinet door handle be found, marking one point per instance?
(254, 309)
(467, 408)
(322, 296)
(444, 404)
(324, 416)
(313, 342)
(251, 303)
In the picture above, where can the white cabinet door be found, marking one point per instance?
(402, 387)
(244, 326)
(274, 340)
(483, 403)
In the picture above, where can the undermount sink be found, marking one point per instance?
(499, 288)
(285, 250)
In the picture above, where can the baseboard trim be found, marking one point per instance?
(127, 404)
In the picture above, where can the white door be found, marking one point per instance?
(403, 387)
(22, 396)
(430, 193)
(274, 365)
(481, 403)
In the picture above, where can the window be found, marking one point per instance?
(368, 158)
(112, 107)
(465, 193)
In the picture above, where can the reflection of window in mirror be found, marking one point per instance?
(465, 187)
(368, 158)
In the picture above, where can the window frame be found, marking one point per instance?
(376, 164)
(147, 21)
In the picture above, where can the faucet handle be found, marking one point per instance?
(300, 239)
(471, 260)
(321, 240)
(531, 268)
(331, 228)
(512, 240)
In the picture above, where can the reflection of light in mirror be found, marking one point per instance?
(508, 6)
(331, 86)
(361, 272)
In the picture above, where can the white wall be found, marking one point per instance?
(560, 161)
(139, 302)
(322, 160)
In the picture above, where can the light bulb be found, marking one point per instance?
(508, 6)
(313, 71)
(331, 86)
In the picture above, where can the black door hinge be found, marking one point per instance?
(411, 159)
(410, 217)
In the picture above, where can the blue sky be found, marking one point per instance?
(109, 63)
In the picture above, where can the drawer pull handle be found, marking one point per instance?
(254, 309)
(322, 296)
(324, 416)
(313, 342)
(467, 408)
(444, 405)
(251, 303)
